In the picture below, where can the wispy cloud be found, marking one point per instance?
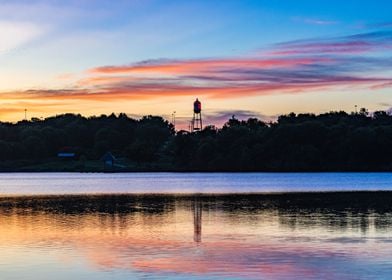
(15, 34)
(385, 104)
(219, 117)
(201, 65)
(315, 21)
(353, 44)
(380, 25)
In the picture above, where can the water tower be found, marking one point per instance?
(197, 123)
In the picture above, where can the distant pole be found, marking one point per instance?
(174, 119)
(25, 111)
(356, 109)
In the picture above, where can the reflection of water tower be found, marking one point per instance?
(197, 123)
(197, 218)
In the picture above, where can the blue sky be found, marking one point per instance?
(54, 46)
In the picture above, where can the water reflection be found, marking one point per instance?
(280, 236)
(197, 216)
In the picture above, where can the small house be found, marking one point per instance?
(108, 159)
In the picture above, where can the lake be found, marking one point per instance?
(188, 183)
(196, 226)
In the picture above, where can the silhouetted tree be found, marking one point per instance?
(295, 142)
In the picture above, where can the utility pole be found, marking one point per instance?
(174, 119)
(25, 111)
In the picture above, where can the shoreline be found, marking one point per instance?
(191, 171)
(96, 166)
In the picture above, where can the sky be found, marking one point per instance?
(243, 58)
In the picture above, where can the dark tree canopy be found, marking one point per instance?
(335, 141)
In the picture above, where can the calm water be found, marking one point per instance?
(336, 235)
(76, 183)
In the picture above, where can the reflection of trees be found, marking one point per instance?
(337, 211)
(355, 210)
(82, 204)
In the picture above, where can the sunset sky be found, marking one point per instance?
(247, 58)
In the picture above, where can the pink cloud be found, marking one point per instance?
(203, 65)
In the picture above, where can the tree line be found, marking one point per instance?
(334, 141)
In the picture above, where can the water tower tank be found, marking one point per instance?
(197, 106)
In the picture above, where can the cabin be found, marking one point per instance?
(68, 153)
